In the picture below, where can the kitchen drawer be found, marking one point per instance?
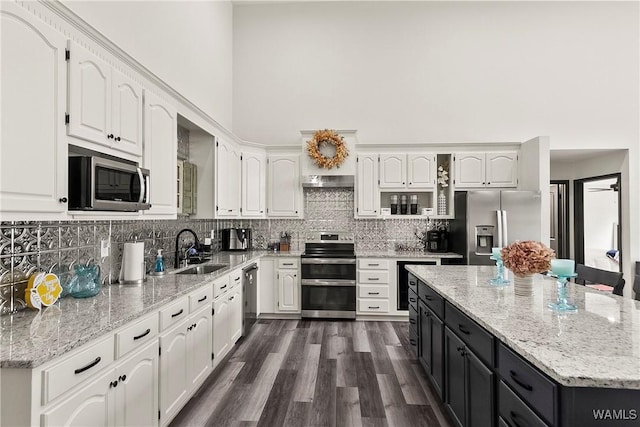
(288, 263)
(514, 411)
(135, 335)
(366, 305)
(531, 385)
(374, 277)
(373, 264)
(373, 291)
(413, 317)
(474, 335)
(200, 298)
(235, 278)
(412, 283)
(174, 313)
(412, 299)
(430, 297)
(220, 286)
(74, 369)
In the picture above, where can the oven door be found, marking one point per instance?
(329, 299)
(328, 269)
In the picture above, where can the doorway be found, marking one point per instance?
(559, 211)
(597, 219)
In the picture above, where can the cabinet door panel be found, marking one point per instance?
(368, 198)
(220, 329)
(424, 348)
(284, 186)
(89, 96)
(421, 170)
(91, 406)
(502, 169)
(174, 370)
(126, 115)
(235, 314)
(137, 392)
(200, 346)
(454, 377)
(288, 291)
(469, 170)
(393, 170)
(228, 175)
(160, 154)
(437, 353)
(254, 189)
(480, 393)
(33, 108)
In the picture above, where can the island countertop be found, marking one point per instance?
(597, 346)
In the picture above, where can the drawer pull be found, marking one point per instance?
(514, 418)
(202, 299)
(374, 293)
(89, 366)
(412, 299)
(113, 384)
(142, 335)
(374, 278)
(231, 299)
(463, 329)
(412, 321)
(122, 378)
(373, 265)
(287, 263)
(223, 287)
(412, 341)
(428, 298)
(412, 284)
(514, 377)
(236, 279)
(376, 307)
(178, 313)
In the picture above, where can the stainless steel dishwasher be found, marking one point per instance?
(250, 293)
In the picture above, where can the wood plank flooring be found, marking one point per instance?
(308, 373)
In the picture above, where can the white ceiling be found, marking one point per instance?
(577, 155)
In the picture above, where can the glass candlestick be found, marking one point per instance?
(562, 303)
(499, 280)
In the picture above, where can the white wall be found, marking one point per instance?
(188, 44)
(438, 71)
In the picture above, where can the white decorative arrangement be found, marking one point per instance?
(443, 182)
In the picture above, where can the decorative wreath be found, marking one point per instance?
(322, 137)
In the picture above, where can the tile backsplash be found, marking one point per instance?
(27, 247)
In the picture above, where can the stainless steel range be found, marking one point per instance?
(329, 276)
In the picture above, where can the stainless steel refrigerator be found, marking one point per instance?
(486, 219)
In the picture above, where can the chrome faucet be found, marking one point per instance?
(195, 246)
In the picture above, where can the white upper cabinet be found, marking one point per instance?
(368, 199)
(393, 170)
(254, 184)
(33, 107)
(399, 171)
(228, 177)
(105, 106)
(490, 169)
(284, 192)
(160, 154)
(421, 170)
(502, 169)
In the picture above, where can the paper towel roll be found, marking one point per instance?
(132, 270)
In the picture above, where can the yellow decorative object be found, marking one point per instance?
(327, 136)
(43, 290)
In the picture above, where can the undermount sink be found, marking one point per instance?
(202, 269)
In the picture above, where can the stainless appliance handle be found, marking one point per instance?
(505, 228)
(142, 186)
(328, 261)
(319, 282)
(499, 221)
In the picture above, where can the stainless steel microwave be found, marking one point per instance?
(100, 184)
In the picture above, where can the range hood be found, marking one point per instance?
(328, 181)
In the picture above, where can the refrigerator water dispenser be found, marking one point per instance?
(484, 239)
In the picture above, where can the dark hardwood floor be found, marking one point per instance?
(302, 373)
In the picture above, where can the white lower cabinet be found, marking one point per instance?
(288, 280)
(227, 315)
(126, 395)
(185, 358)
(374, 286)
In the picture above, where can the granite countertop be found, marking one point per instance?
(598, 346)
(406, 254)
(29, 338)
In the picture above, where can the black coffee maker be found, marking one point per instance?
(438, 240)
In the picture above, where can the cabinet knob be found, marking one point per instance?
(62, 200)
(110, 136)
(403, 183)
(117, 138)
